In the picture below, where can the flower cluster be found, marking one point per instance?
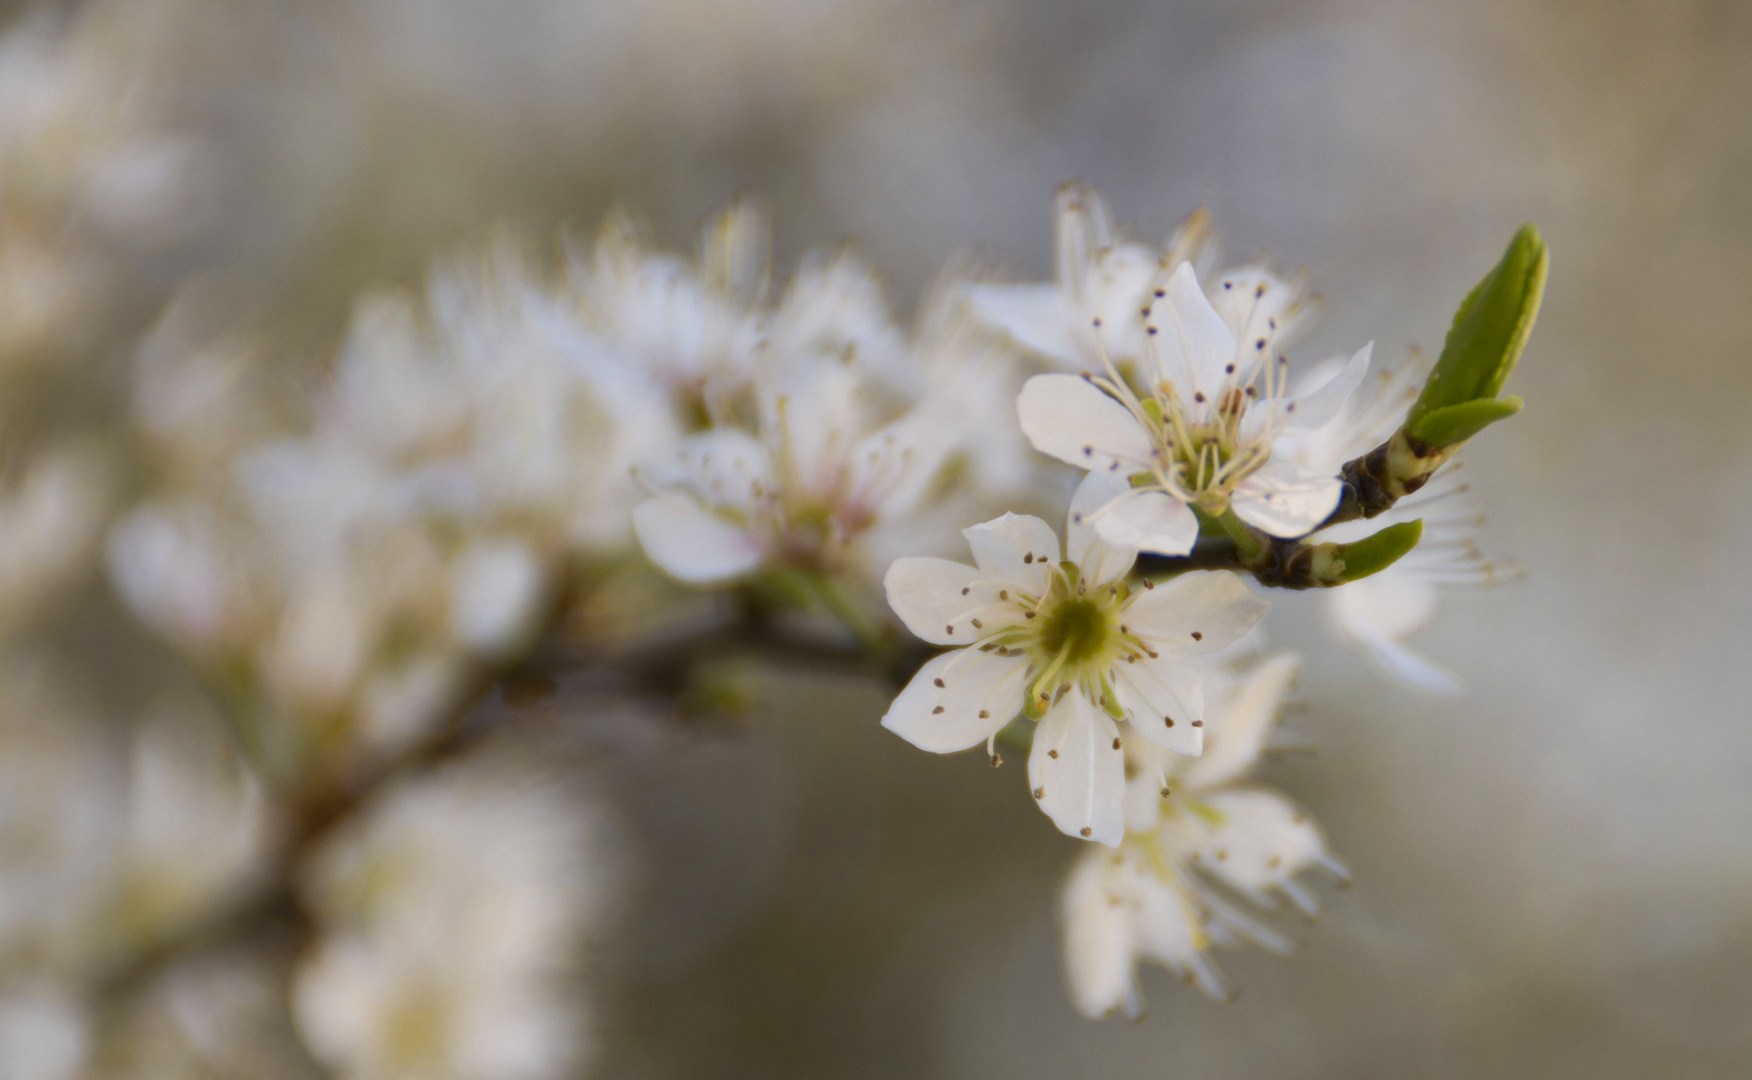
(339, 832)
(1129, 680)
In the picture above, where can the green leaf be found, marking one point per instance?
(1489, 330)
(1372, 554)
(1454, 424)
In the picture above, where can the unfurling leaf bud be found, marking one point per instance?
(1490, 330)
(1341, 564)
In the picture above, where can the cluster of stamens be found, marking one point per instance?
(1073, 635)
(1201, 449)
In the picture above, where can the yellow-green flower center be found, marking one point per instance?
(1078, 628)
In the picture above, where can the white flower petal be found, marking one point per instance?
(1415, 669)
(1213, 604)
(726, 467)
(1193, 345)
(1262, 842)
(1099, 941)
(1037, 317)
(1286, 500)
(692, 544)
(937, 599)
(1255, 302)
(1147, 520)
(1016, 549)
(1142, 801)
(1165, 701)
(980, 693)
(1238, 722)
(1316, 404)
(1100, 559)
(1169, 931)
(1067, 417)
(1077, 770)
(1392, 605)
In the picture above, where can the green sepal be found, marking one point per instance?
(1454, 424)
(1372, 554)
(1490, 330)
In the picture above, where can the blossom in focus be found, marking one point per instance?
(1184, 393)
(1196, 836)
(1068, 643)
(451, 915)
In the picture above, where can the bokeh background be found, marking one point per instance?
(1554, 872)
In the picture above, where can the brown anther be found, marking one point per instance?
(937, 710)
(1028, 558)
(1003, 594)
(938, 683)
(965, 590)
(985, 714)
(1198, 723)
(1168, 721)
(977, 625)
(1116, 744)
(1197, 636)
(1052, 753)
(949, 629)
(1084, 831)
(1040, 793)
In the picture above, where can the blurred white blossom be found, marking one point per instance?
(1380, 612)
(113, 835)
(1196, 834)
(90, 171)
(453, 913)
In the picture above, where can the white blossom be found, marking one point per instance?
(694, 325)
(1196, 834)
(117, 835)
(451, 915)
(50, 520)
(1069, 643)
(1380, 612)
(1184, 393)
(822, 469)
